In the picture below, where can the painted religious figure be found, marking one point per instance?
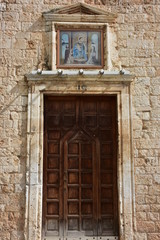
(80, 49)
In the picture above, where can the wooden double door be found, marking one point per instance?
(80, 167)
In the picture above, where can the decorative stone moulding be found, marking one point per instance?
(78, 82)
(72, 83)
(79, 12)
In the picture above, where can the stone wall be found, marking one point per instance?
(23, 48)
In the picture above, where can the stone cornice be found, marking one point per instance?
(79, 12)
(79, 18)
(68, 76)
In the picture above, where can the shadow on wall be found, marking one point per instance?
(25, 53)
(41, 45)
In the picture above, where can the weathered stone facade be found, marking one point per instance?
(137, 41)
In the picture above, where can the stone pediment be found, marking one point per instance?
(79, 12)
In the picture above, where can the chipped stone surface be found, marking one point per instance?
(136, 47)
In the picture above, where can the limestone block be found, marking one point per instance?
(147, 26)
(153, 217)
(155, 61)
(128, 53)
(151, 71)
(19, 43)
(140, 200)
(157, 71)
(13, 208)
(122, 34)
(56, 2)
(14, 116)
(155, 207)
(4, 141)
(144, 180)
(155, 81)
(141, 144)
(11, 169)
(155, 90)
(140, 236)
(155, 113)
(139, 71)
(139, 62)
(4, 178)
(3, 71)
(36, 36)
(19, 188)
(137, 124)
(25, 17)
(158, 225)
(140, 170)
(15, 125)
(5, 235)
(2, 7)
(24, 1)
(157, 43)
(12, 26)
(136, 18)
(158, 199)
(151, 199)
(145, 226)
(144, 52)
(141, 216)
(142, 100)
(127, 27)
(154, 190)
(156, 178)
(26, 26)
(9, 188)
(153, 236)
(16, 178)
(148, 134)
(10, 1)
(153, 170)
(142, 188)
(149, 1)
(32, 44)
(6, 42)
(37, 2)
(137, 134)
(146, 115)
(134, 43)
(22, 35)
(120, 18)
(11, 16)
(139, 162)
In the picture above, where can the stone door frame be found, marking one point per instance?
(87, 84)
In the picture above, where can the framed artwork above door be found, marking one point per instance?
(80, 48)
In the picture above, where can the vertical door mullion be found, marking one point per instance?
(80, 190)
(61, 191)
(65, 180)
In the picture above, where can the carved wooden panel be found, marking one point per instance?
(80, 175)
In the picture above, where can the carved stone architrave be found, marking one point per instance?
(71, 83)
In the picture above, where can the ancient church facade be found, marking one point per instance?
(80, 114)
